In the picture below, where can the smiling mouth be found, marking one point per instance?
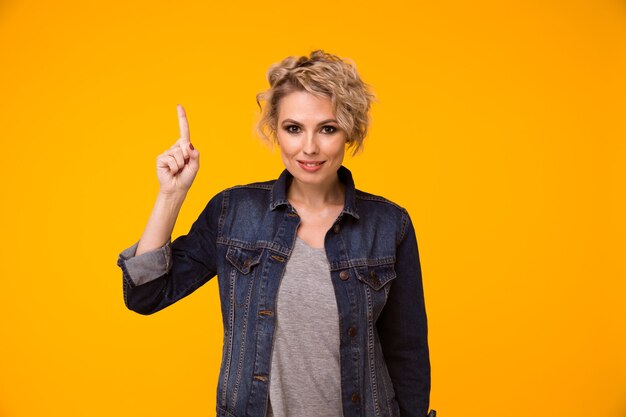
(311, 164)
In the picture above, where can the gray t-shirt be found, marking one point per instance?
(305, 375)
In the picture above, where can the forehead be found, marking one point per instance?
(303, 106)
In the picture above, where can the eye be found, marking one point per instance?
(292, 129)
(329, 129)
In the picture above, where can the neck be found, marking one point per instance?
(316, 195)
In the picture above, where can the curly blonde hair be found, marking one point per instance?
(325, 75)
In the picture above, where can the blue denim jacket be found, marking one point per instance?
(245, 235)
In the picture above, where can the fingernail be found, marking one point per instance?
(191, 146)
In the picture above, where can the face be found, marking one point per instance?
(311, 143)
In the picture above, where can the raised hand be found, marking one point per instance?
(177, 167)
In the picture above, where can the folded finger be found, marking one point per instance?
(177, 154)
(171, 162)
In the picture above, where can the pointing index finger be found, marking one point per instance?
(182, 123)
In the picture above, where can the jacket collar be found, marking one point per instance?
(279, 191)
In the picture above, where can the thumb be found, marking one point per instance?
(194, 155)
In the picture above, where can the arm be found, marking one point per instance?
(159, 277)
(176, 169)
(402, 328)
(155, 272)
(161, 222)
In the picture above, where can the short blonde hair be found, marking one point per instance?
(322, 74)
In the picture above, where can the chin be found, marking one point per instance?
(321, 176)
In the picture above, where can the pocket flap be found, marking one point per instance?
(243, 259)
(376, 276)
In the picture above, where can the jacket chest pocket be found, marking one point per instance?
(376, 280)
(244, 265)
(376, 276)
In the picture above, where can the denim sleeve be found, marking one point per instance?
(159, 278)
(402, 328)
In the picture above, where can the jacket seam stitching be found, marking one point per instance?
(370, 352)
(243, 340)
(231, 313)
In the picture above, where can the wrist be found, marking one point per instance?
(172, 196)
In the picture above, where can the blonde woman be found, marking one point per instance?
(320, 283)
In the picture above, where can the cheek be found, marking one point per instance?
(337, 150)
(285, 148)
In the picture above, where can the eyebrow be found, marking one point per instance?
(323, 122)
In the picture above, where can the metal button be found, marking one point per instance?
(344, 275)
(247, 263)
(356, 398)
(373, 273)
(336, 228)
(278, 258)
(351, 332)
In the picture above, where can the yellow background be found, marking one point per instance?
(500, 126)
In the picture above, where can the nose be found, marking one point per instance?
(310, 146)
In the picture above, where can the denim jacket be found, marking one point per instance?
(245, 235)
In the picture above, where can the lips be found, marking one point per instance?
(311, 166)
(311, 163)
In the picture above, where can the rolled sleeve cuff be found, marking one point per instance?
(149, 265)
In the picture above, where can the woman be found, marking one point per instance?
(320, 283)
